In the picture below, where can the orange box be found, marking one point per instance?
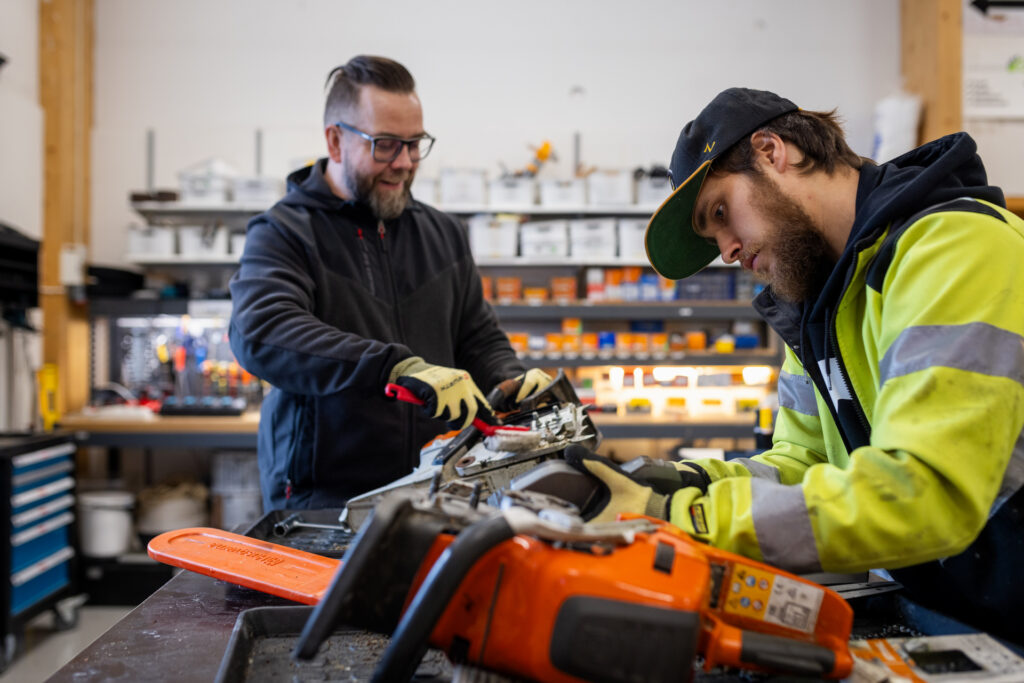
(697, 340)
(488, 286)
(571, 343)
(510, 288)
(553, 342)
(563, 289)
(659, 342)
(631, 274)
(624, 343)
(676, 342)
(535, 294)
(520, 341)
(572, 326)
(641, 342)
(589, 342)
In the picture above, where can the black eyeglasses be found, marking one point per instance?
(386, 148)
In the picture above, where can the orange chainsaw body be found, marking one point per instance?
(504, 614)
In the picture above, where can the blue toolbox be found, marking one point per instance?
(37, 487)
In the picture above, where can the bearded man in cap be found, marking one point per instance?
(896, 289)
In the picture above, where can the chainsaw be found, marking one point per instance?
(530, 590)
(539, 429)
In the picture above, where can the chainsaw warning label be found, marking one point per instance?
(794, 604)
(763, 595)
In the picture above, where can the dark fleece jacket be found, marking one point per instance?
(326, 301)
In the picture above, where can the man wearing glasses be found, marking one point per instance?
(349, 283)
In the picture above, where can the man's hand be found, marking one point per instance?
(622, 492)
(521, 386)
(447, 393)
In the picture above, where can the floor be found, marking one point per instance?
(46, 650)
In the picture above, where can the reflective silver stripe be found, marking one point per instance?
(783, 527)
(1013, 479)
(758, 469)
(796, 392)
(975, 347)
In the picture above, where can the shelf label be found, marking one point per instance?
(685, 312)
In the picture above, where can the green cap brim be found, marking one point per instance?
(673, 248)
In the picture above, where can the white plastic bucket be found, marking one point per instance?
(106, 522)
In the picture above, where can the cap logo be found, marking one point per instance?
(709, 146)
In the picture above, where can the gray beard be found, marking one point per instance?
(383, 208)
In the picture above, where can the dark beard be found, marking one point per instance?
(800, 260)
(363, 190)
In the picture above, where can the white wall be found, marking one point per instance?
(494, 77)
(21, 189)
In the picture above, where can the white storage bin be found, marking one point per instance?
(513, 193)
(652, 191)
(563, 193)
(207, 183)
(257, 191)
(462, 186)
(493, 237)
(151, 241)
(424, 190)
(631, 239)
(606, 188)
(592, 238)
(202, 244)
(544, 239)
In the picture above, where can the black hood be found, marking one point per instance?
(940, 171)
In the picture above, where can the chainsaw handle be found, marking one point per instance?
(732, 646)
(409, 641)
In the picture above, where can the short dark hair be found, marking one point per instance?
(344, 83)
(819, 136)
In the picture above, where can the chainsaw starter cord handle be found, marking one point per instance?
(409, 641)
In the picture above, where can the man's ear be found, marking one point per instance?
(770, 151)
(333, 137)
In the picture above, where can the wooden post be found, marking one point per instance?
(931, 62)
(65, 93)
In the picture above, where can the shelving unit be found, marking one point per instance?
(532, 315)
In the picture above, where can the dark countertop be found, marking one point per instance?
(179, 633)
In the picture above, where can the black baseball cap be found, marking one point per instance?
(673, 248)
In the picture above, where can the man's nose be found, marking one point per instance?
(730, 246)
(404, 159)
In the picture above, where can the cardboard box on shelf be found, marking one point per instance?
(563, 193)
(492, 236)
(509, 289)
(652, 191)
(425, 189)
(592, 238)
(510, 192)
(544, 239)
(631, 239)
(610, 188)
(463, 186)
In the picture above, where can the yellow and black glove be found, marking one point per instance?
(619, 491)
(516, 389)
(447, 393)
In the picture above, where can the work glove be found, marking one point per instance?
(447, 393)
(621, 492)
(521, 386)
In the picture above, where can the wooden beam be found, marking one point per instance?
(66, 29)
(931, 62)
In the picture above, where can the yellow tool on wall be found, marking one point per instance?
(46, 380)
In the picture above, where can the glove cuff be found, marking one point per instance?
(687, 510)
(407, 367)
(658, 506)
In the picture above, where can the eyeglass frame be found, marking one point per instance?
(406, 143)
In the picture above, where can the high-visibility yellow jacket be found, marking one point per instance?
(899, 434)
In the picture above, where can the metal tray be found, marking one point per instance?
(324, 542)
(263, 638)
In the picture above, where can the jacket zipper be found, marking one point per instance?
(367, 267)
(409, 434)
